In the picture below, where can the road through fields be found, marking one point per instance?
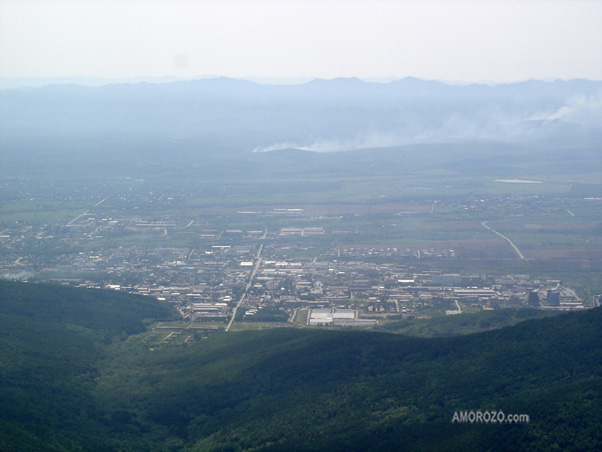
(521, 255)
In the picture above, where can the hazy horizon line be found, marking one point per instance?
(97, 81)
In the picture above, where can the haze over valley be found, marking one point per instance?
(410, 207)
(325, 247)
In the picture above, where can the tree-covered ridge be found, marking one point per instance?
(454, 325)
(99, 311)
(346, 390)
(51, 341)
(68, 386)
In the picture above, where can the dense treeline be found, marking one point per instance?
(99, 311)
(52, 339)
(318, 390)
(446, 326)
(65, 388)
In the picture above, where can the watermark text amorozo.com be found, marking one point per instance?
(488, 417)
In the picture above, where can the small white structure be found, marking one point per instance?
(337, 317)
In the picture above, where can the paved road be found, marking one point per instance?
(86, 212)
(244, 295)
(521, 255)
(458, 306)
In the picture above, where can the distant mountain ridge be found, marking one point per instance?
(321, 115)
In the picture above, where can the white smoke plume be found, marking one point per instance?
(17, 276)
(579, 110)
(371, 141)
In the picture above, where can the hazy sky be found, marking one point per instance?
(474, 40)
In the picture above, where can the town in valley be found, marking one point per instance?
(340, 265)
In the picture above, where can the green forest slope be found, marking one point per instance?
(52, 339)
(76, 382)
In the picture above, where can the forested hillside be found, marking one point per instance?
(52, 339)
(74, 377)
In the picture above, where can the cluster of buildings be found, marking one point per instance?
(207, 269)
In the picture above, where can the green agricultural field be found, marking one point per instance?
(301, 317)
(36, 212)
